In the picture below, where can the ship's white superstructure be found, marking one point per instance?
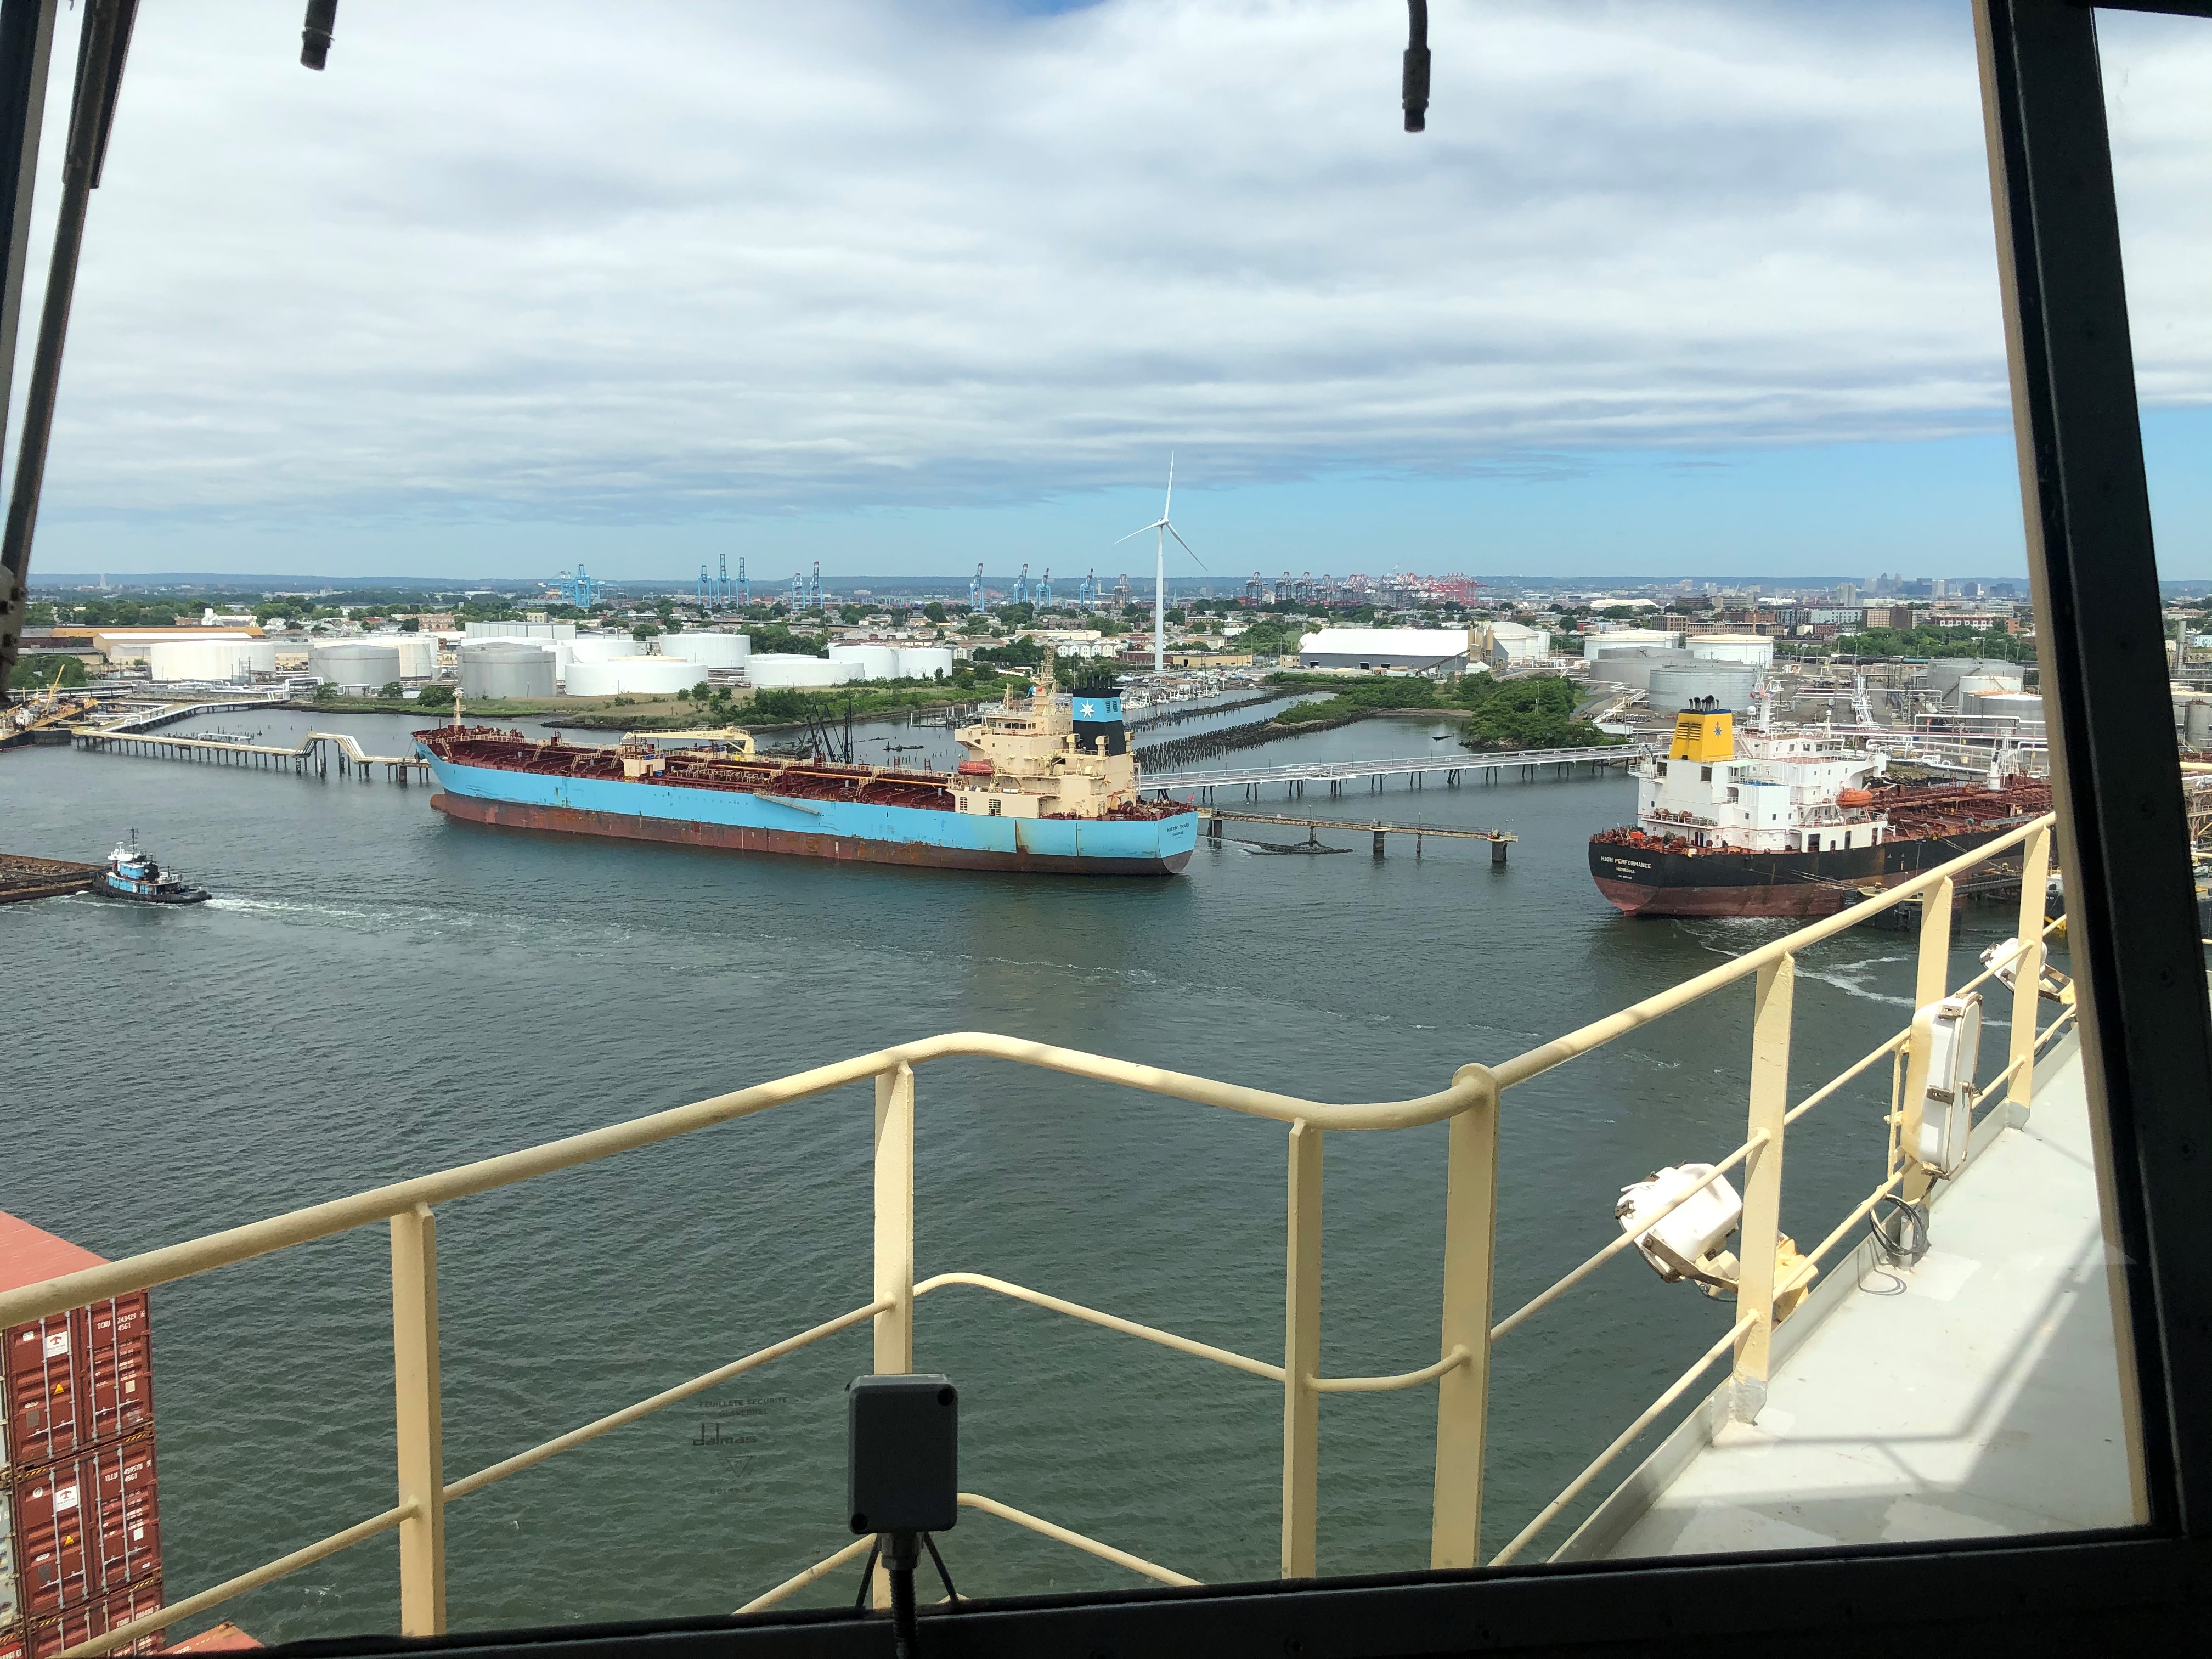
(1760, 791)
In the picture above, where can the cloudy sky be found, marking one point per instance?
(1668, 287)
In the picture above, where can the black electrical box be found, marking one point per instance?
(902, 1454)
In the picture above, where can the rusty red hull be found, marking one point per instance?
(793, 843)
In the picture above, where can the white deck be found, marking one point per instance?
(1977, 1396)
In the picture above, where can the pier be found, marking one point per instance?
(1415, 770)
(1499, 840)
(316, 751)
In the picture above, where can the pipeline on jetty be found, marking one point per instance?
(317, 750)
(1212, 819)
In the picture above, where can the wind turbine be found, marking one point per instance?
(1162, 529)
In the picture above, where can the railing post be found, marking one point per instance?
(2034, 873)
(894, 1271)
(421, 1421)
(894, 1281)
(1463, 1391)
(1302, 1354)
(1762, 1182)
(1930, 986)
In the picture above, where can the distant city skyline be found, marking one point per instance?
(780, 283)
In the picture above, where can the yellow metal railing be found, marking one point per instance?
(1460, 1371)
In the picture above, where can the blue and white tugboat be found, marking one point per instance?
(134, 874)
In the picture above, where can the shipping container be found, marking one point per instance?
(118, 1376)
(11, 1640)
(86, 1528)
(49, 1636)
(45, 1408)
(43, 1385)
(10, 1609)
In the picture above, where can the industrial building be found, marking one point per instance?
(1437, 651)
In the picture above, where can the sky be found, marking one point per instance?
(1665, 288)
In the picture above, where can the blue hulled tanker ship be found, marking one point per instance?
(1048, 785)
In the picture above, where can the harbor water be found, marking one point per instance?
(376, 993)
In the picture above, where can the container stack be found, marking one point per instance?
(80, 1507)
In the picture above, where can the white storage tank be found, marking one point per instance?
(925, 662)
(631, 677)
(1944, 674)
(707, 650)
(2026, 707)
(1672, 689)
(418, 654)
(781, 670)
(1634, 668)
(210, 660)
(500, 668)
(1755, 650)
(870, 662)
(601, 648)
(356, 665)
(1623, 639)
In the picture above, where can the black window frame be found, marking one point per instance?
(2146, 1042)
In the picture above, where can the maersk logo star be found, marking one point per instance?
(1086, 711)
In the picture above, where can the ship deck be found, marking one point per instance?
(1977, 1396)
(806, 778)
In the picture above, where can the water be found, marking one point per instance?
(377, 992)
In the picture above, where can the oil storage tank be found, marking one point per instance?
(771, 669)
(418, 654)
(500, 668)
(600, 648)
(870, 662)
(1755, 650)
(1944, 675)
(925, 662)
(630, 677)
(1672, 689)
(707, 650)
(356, 665)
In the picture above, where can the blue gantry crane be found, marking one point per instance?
(577, 588)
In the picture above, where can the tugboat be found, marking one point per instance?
(133, 874)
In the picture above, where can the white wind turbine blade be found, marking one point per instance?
(1157, 523)
(1186, 546)
(1167, 508)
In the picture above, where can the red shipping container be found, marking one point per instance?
(118, 1376)
(46, 1413)
(74, 1625)
(88, 1527)
(42, 1363)
(11, 1640)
